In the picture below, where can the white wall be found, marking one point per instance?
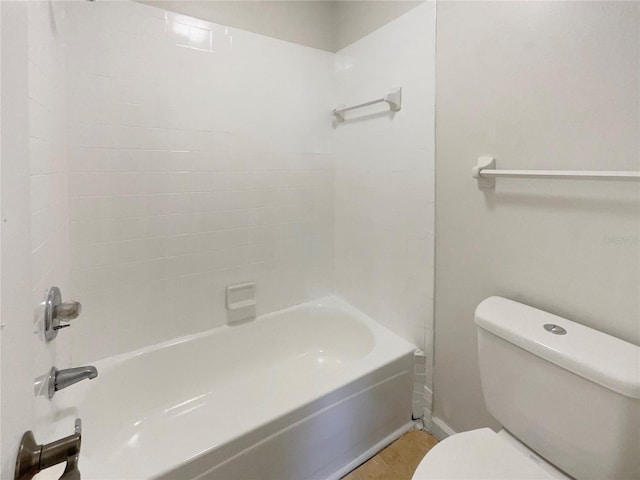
(1, 312)
(384, 186)
(307, 22)
(193, 166)
(49, 189)
(38, 169)
(540, 85)
(327, 25)
(15, 306)
(353, 20)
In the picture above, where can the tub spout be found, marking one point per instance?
(59, 379)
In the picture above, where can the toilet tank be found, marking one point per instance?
(571, 394)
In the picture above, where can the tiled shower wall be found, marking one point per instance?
(384, 179)
(47, 149)
(198, 157)
(46, 28)
(201, 156)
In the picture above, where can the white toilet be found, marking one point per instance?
(567, 396)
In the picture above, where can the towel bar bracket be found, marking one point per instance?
(484, 183)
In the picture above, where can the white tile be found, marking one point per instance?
(384, 176)
(185, 171)
(172, 155)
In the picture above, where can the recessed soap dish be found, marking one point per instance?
(241, 296)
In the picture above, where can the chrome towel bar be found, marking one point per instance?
(485, 173)
(393, 98)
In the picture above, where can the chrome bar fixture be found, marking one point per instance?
(393, 99)
(485, 173)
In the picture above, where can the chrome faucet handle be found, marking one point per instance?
(55, 311)
(34, 457)
(68, 310)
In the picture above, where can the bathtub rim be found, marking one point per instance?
(330, 301)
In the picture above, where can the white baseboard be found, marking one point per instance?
(441, 430)
(372, 451)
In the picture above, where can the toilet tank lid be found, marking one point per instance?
(596, 356)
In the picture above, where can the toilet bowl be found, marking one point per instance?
(484, 454)
(567, 396)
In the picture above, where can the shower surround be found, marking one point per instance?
(198, 156)
(201, 155)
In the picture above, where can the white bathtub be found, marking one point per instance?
(305, 393)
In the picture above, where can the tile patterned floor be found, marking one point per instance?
(398, 461)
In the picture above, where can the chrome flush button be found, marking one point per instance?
(557, 329)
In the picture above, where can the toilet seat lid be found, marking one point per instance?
(479, 454)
